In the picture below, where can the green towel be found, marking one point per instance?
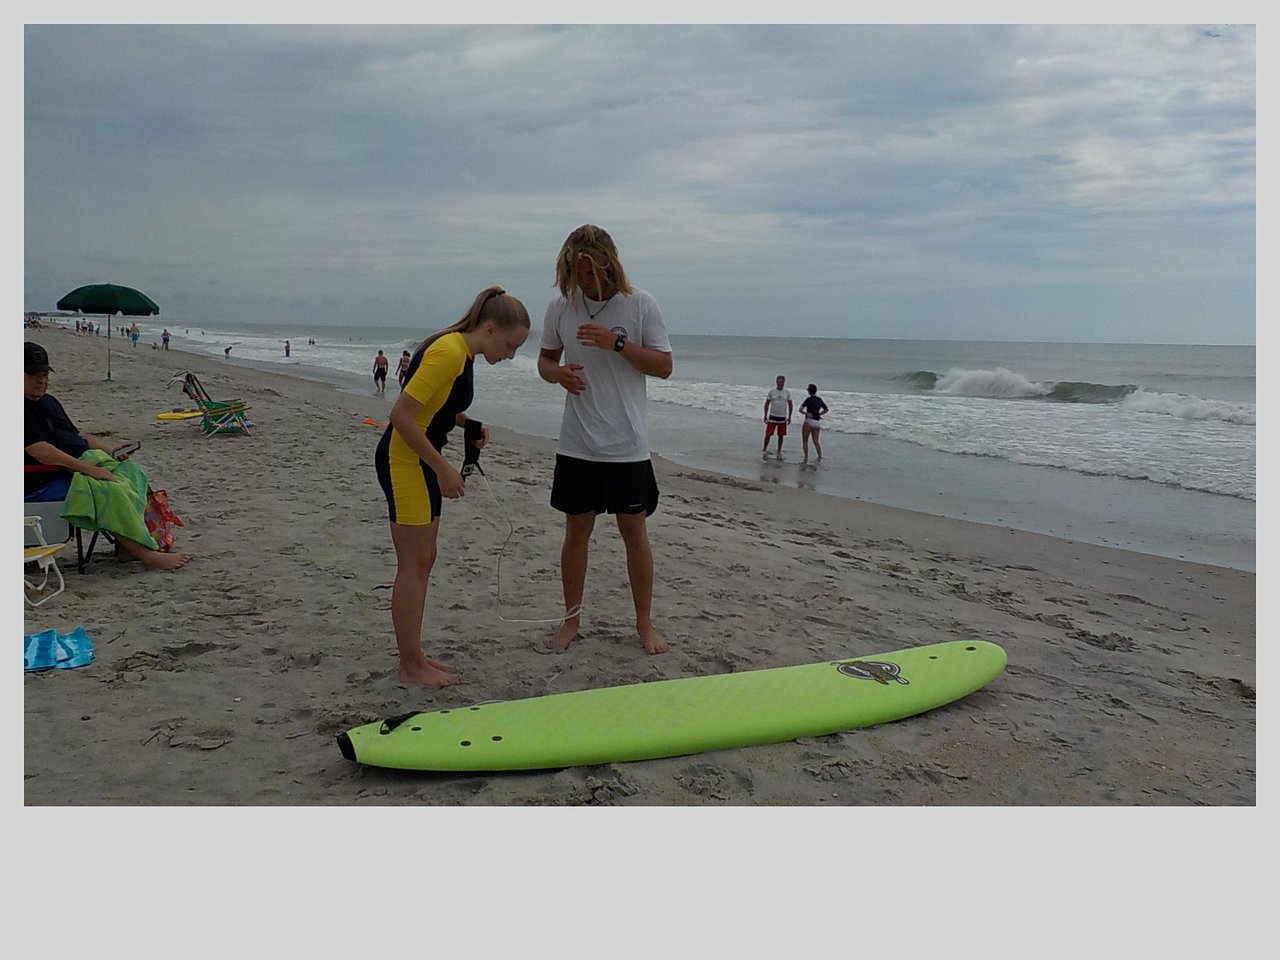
(118, 507)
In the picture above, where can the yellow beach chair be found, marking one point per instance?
(45, 556)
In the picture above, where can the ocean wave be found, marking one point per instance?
(1003, 384)
(1192, 408)
(997, 384)
(1070, 391)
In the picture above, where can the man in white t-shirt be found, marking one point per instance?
(611, 337)
(777, 414)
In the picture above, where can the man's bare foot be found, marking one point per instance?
(155, 560)
(424, 674)
(650, 640)
(567, 633)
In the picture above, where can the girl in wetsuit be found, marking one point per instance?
(413, 473)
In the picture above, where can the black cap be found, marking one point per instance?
(35, 358)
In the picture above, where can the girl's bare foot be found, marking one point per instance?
(444, 667)
(650, 640)
(424, 674)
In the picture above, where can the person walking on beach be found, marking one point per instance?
(777, 414)
(164, 337)
(813, 408)
(413, 473)
(402, 371)
(380, 366)
(613, 338)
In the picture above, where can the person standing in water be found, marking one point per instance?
(777, 414)
(413, 473)
(813, 408)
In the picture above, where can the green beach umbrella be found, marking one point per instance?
(109, 299)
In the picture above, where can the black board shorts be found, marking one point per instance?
(588, 486)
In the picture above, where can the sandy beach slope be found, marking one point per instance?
(1131, 679)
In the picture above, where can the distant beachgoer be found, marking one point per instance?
(118, 493)
(286, 348)
(135, 335)
(226, 351)
(402, 372)
(414, 474)
(613, 336)
(777, 414)
(380, 366)
(813, 408)
(165, 338)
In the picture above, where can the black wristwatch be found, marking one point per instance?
(619, 344)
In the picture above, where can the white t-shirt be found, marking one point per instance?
(606, 422)
(778, 403)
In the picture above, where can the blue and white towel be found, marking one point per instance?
(51, 649)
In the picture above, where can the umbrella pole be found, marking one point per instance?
(108, 346)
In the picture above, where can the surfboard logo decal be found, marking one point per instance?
(877, 670)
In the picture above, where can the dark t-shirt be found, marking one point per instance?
(47, 421)
(812, 406)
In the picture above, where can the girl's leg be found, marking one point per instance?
(415, 556)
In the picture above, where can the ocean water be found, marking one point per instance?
(1143, 446)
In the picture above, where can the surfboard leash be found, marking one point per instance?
(470, 466)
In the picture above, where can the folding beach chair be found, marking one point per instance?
(45, 557)
(49, 512)
(217, 416)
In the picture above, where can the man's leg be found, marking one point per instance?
(635, 535)
(573, 572)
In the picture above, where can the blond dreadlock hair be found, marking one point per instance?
(593, 242)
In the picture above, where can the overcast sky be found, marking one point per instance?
(1092, 183)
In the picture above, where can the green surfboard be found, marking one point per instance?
(672, 718)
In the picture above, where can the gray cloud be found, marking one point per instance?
(1025, 182)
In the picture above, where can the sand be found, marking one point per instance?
(1131, 678)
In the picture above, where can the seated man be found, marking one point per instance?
(116, 492)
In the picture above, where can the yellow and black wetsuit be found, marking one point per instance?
(439, 378)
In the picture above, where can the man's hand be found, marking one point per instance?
(570, 377)
(596, 335)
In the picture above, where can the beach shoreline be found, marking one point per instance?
(1131, 678)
